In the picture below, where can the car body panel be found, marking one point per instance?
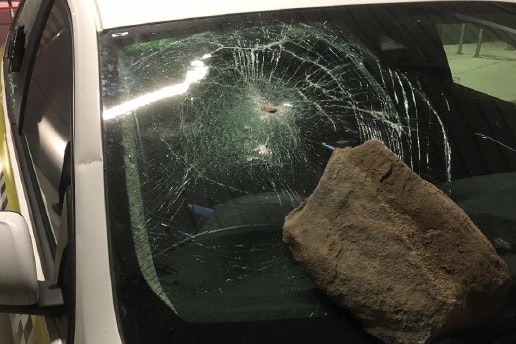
(119, 13)
(96, 321)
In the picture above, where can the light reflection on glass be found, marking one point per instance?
(196, 73)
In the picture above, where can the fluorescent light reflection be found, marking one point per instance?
(198, 71)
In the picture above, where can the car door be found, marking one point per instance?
(38, 79)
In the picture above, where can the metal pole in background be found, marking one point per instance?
(479, 43)
(461, 40)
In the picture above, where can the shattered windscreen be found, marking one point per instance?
(215, 129)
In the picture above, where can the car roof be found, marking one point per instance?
(121, 13)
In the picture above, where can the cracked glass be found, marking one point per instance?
(215, 129)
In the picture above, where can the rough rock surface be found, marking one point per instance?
(394, 249)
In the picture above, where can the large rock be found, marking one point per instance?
(394, 249)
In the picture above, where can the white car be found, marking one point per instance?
(150, 152)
